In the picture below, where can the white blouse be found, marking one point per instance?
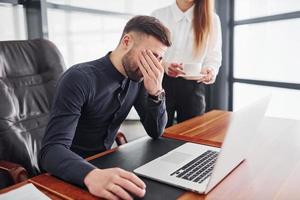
(182, 37)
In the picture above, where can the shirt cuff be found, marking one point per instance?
(82, 169)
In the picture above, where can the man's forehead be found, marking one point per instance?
(155, 45)
(158, 50)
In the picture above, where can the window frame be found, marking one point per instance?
(263, 19)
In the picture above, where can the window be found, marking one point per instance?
(266, 55)
(136, 7)
(245, 9)
(284, 102)
(268, 51)
(84, 34)
(84, 37)
(14, 27)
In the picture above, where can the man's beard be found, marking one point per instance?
(131, 68)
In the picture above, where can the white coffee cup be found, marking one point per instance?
(192, 69)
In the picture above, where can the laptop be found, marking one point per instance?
(199, 168)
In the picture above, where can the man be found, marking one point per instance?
(94, 98)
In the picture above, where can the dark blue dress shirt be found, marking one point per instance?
(91, 102)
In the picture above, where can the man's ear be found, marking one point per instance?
(127, 41)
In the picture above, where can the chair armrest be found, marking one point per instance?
(120, 138)
(15, 171)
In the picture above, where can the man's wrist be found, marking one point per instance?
(88, 179)
(158, 96)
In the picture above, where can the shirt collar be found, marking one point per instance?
(111, 69)
(178, 14)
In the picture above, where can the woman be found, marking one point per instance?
(196, 38)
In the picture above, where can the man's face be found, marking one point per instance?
(131, 60)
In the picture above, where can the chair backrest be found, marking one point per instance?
(29, 71)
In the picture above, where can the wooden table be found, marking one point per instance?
(271, 169)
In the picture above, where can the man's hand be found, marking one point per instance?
(114, 183)
(174, 69)
(152, 71)
(209, 75)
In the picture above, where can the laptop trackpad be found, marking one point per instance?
(176, 157)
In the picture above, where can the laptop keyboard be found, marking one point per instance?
(198, 169)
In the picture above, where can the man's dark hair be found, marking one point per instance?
(149, 26)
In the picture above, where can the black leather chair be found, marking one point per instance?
(29, 71)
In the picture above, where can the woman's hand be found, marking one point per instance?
(174, 69)
(208, 75)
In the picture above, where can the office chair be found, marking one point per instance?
(28, 74)
(29, 71)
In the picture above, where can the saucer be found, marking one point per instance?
(189, 77)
